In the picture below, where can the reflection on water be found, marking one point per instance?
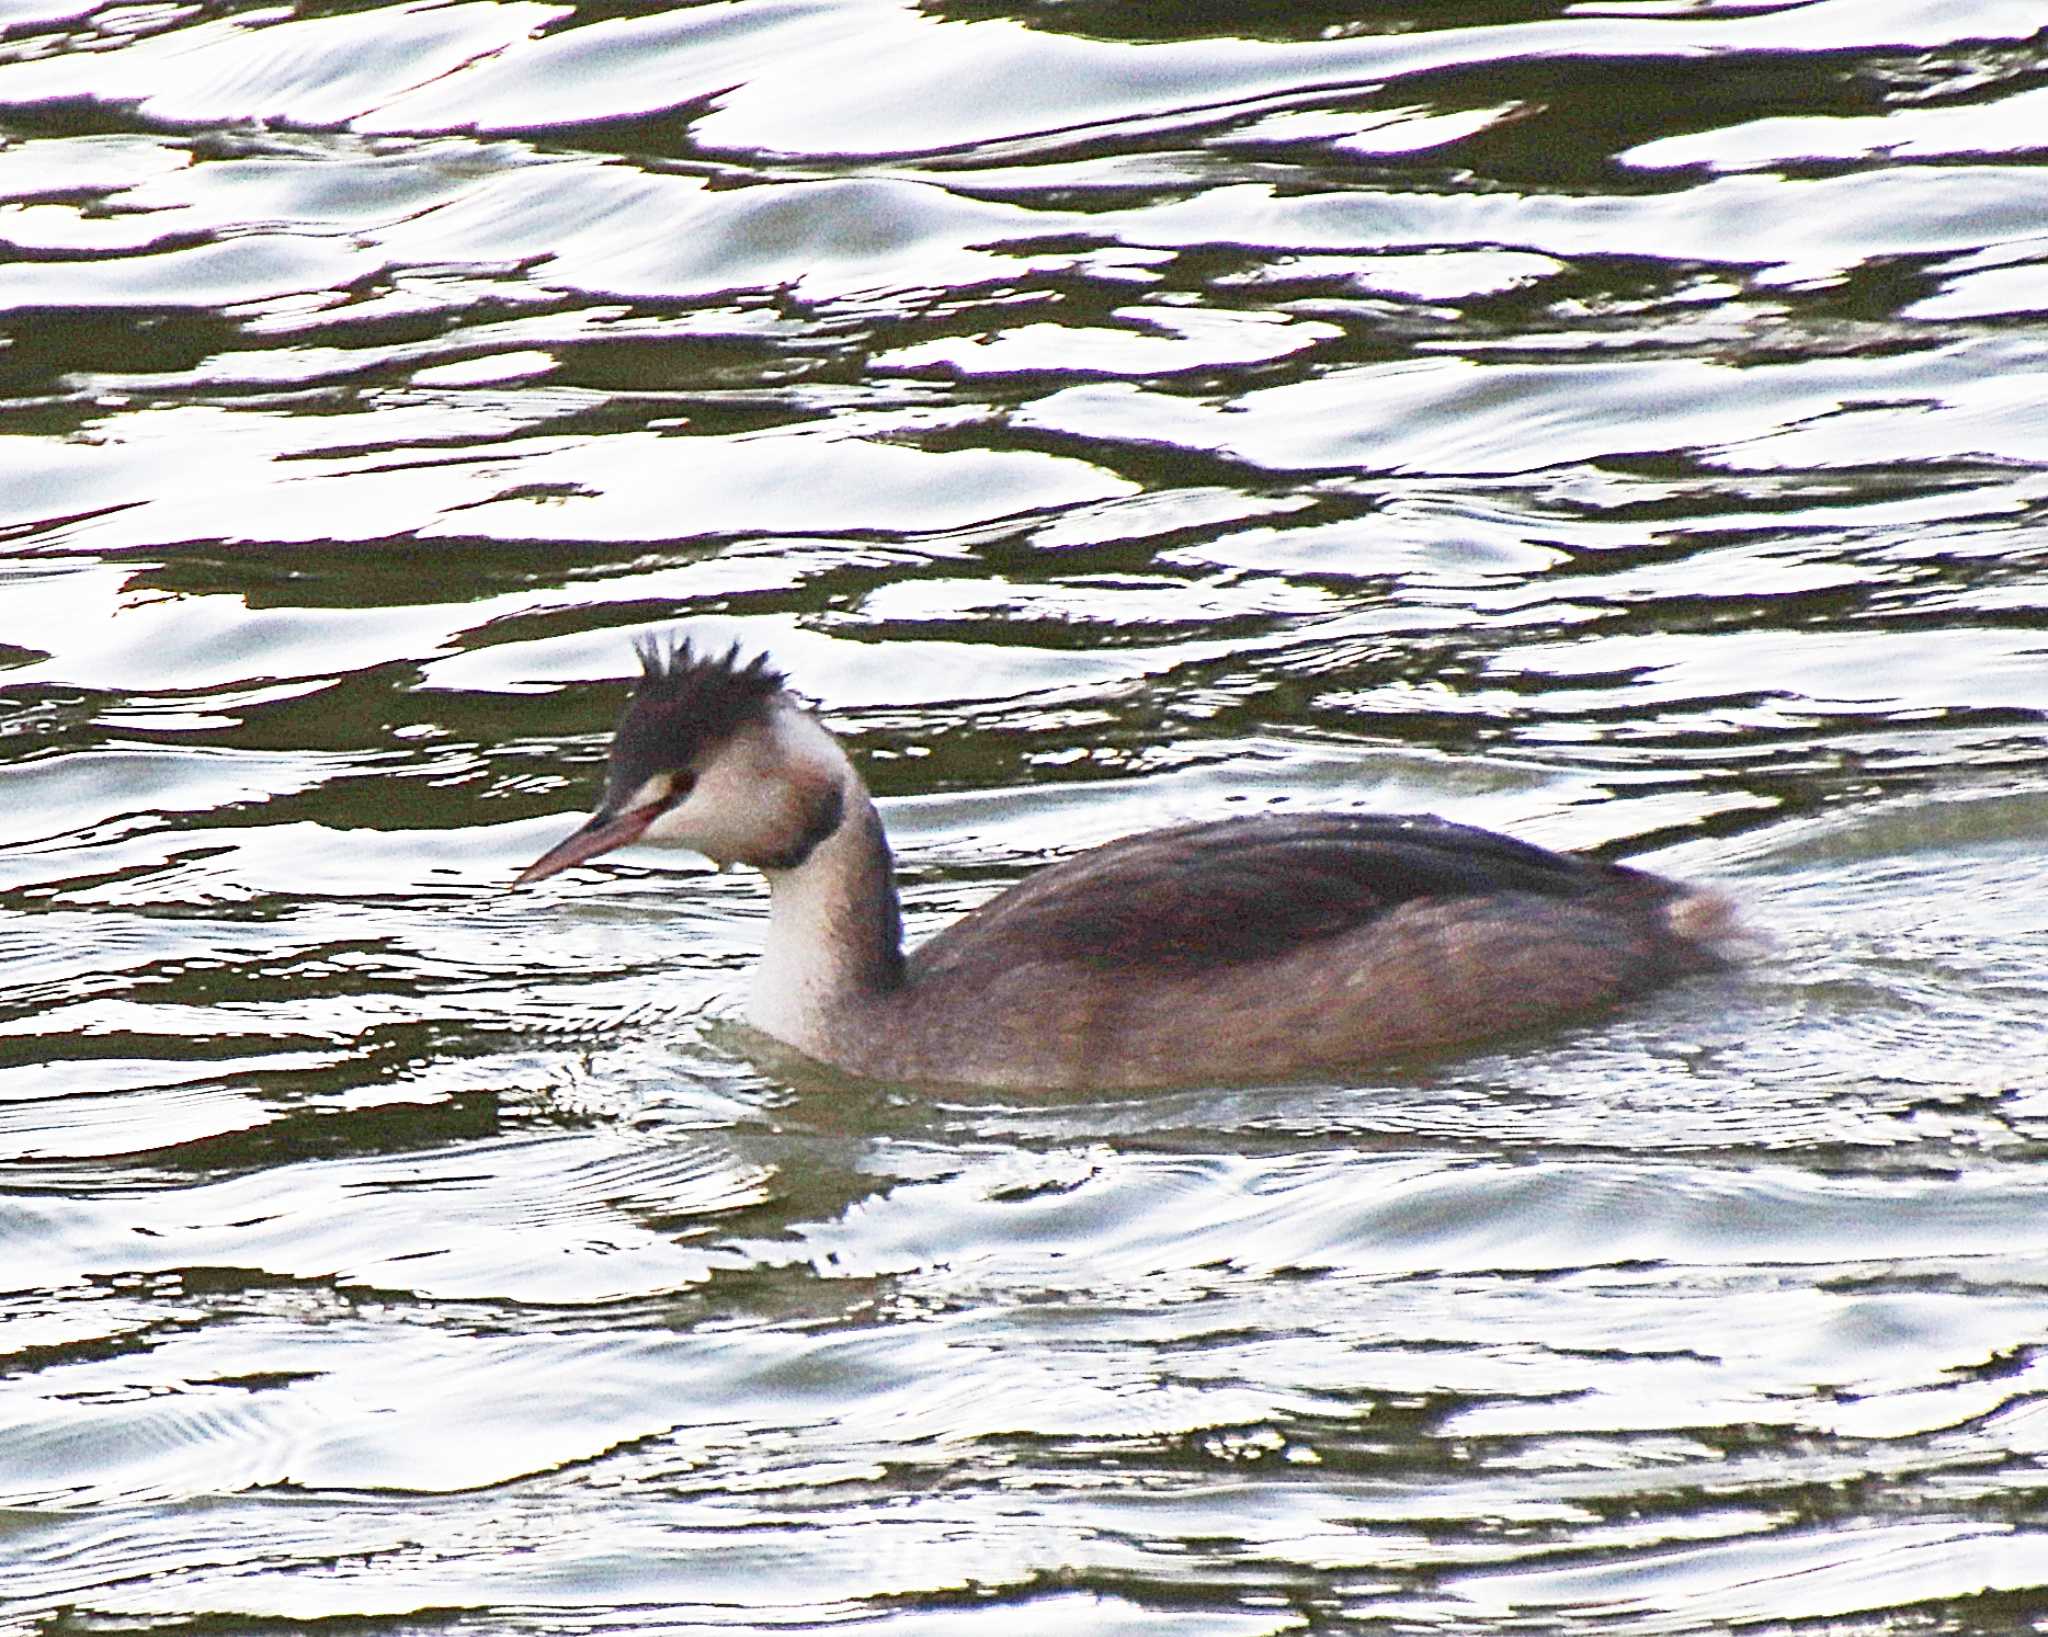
(1617, 425)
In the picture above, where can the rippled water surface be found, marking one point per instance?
(1622, 423)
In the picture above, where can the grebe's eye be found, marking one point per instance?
(660, 791)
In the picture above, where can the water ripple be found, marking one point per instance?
(1622, 429)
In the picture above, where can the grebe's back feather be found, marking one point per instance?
(1245, 890)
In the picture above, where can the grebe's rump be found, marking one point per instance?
(1252, 949)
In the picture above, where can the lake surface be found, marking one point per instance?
(1624, 424)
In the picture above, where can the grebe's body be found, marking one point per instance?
(1254, 949)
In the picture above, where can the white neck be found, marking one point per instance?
(835, 936)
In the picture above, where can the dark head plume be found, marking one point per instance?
(715, 686)
(686, 702)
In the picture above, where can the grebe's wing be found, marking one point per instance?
(1210, 895)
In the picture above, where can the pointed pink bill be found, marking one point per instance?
(601, 835)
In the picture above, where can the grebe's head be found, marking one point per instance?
(714, 755)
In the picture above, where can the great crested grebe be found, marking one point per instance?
(1250, 949)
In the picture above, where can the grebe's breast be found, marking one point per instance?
(1266, 947)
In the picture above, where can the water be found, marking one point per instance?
(1623, 424)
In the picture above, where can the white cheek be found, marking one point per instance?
(713, 820)
(673, 829)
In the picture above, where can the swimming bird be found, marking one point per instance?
(1256, 949)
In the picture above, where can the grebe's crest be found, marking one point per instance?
(716, 688)
(685, 703)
